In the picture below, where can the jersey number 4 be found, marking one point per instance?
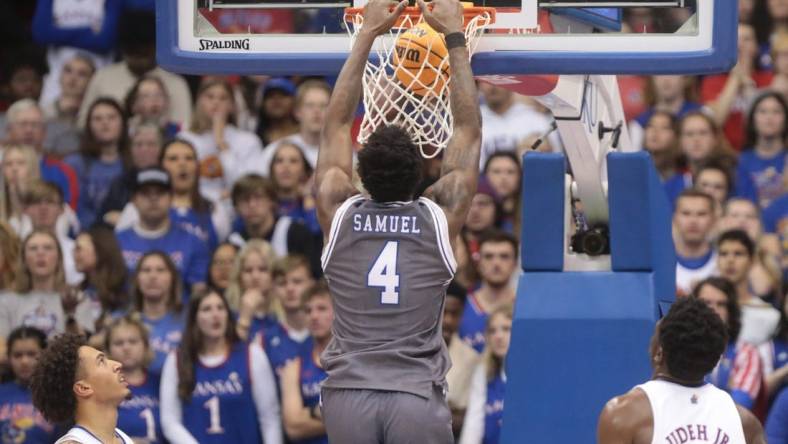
(383, 274)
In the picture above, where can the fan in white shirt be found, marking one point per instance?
(509, 122)
(226, 152)
(693, 221)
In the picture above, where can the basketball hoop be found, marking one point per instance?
(422, 106)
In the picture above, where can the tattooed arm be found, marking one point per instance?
(460, 170)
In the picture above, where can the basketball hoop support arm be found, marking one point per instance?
(590, 119)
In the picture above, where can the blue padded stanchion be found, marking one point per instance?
(580, 338)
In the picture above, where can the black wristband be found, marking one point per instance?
(455, 40)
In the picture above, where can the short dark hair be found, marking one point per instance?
(319, 289)
(288, 263)
(136, 31)
(511, 155)
(739, 236)
(28, 56)
(693, 338)
(498, 236)
(732, 303)
(26, 332)
(252, 184)
(39, 190)
(53, 379)
(390, 164)
(457, 291)
(718, 164)
(694, 193)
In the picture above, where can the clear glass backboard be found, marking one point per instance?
(282, 37)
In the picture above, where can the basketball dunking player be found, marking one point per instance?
(677, 406)
(388, 259)
(75, 382)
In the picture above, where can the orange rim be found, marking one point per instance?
(414, 12)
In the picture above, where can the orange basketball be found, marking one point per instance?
(418, 60)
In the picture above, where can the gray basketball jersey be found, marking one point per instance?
(387, 266)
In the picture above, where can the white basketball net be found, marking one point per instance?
(426, 116)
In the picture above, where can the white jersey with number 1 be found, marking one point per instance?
(685, 414)
(84, 436)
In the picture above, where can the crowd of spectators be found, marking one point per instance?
(172, 221)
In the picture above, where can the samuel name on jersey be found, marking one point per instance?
(382, 223)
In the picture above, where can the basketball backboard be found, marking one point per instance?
(284, 37)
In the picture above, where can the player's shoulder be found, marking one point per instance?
(628, 412)
(632, 399)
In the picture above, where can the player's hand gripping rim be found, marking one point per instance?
(444, 16)
(380, 15)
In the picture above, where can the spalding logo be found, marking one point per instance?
(209, 45)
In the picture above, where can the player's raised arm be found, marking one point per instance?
(460, 169)
(335, 159)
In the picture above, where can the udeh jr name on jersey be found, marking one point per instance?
(387, 266)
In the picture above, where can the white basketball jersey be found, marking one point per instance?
(687, 277)
(692, 414)
(83, 436)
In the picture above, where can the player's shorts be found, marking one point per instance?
(374, 416)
